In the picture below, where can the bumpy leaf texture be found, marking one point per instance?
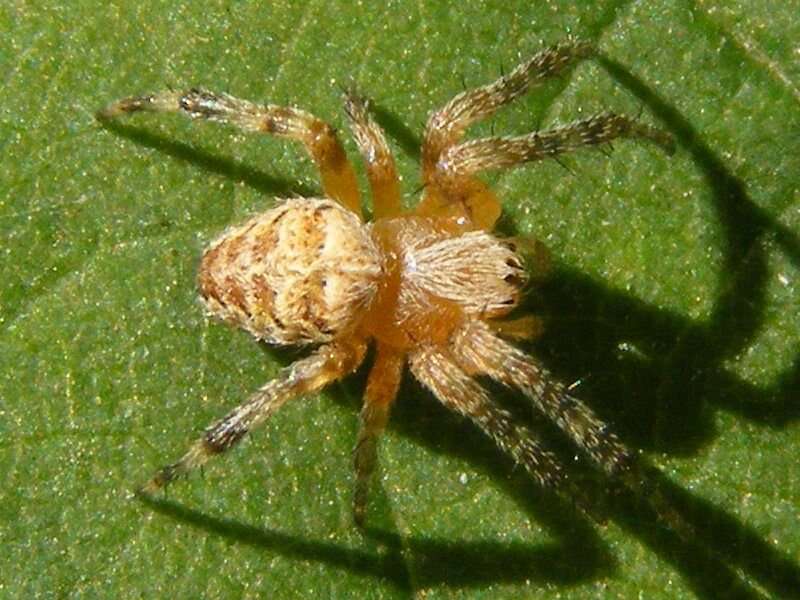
(673, 301)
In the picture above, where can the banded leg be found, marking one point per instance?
(381, 169)
(461, 393)
(382, 385)
(319, 138)
(456, 193)
(480, 352)
(307, 375)
(447, 125)
(469, 158)
(470, 203)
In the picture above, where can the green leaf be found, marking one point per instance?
(674, 303)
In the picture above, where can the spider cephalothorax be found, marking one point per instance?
(430, 287)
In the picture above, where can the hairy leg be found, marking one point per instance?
(447, 125)
(382, 386)
(459, 392)
(470, 203)
(480, 352)
(319, 138)
(307, 375)
(467, 159)
(457, 194)
(381, 170)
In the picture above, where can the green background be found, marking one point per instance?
(674, 302)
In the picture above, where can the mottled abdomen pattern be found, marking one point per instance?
(302, 272)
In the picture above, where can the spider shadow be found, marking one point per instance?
(227, 167)
(677, 375)
(676, 379)
(398, 131)
(385, 555)
(576, 555)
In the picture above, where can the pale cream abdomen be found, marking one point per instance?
(303, 272)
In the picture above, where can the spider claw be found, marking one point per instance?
(354, 103)
(124, 106)
(161, 480)
(350, 90)
(149, 488)
(658, 137)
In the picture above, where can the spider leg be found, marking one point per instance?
(447, 125)
(470, 203)
(469, 158)
(307, 375)
(457, 194)
(382, 386)
(381, 169)
(319, 138)
(459, 392)
(467, 203)
(479, 351)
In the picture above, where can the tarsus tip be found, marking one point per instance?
(106, 113)
(149, 488)
(121, 107)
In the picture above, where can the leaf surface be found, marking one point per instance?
(674, 303)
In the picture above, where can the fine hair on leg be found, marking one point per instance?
(320, 140)
(483, 154)
(447, 125)
(305, 376)
(381, 169)
(459, 392)
(481, 352)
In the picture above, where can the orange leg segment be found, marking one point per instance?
(466, 203)
(381, 170)
(338, 178)
(382, 385)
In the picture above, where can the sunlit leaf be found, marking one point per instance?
(673, 303)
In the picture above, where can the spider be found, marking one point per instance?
(431, 287)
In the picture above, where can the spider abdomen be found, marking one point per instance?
(300, 273)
